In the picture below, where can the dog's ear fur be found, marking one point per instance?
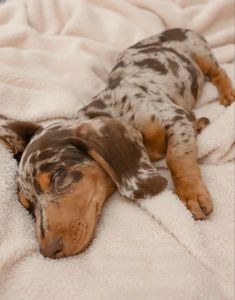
(15, 135)
(26, 203)
(23, 200)
(118, 148)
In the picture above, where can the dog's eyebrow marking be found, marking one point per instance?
(44, 180)
(37, 187)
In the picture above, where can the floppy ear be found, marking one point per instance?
(15, 135)
(118, 148)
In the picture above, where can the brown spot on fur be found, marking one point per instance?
(151, 49)
(175, 34)
(180, 111)
(173, 66)
(124, 98)
(190, 116)
(153, 64)
(154, 186)
(140, 45)
(177, 118)
(98, 104)
(95, 114)
(189, 66)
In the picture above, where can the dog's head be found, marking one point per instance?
(66, 172)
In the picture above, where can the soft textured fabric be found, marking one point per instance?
(54, 56)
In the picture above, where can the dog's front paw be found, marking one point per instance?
(196, 197)
(228, 96)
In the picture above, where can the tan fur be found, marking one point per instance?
(75, 215)
(102, 163)
(44, 180)
(23, 200)
(219, 78)
(188, 183)
(154, 138)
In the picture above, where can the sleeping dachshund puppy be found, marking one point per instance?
(68, 169)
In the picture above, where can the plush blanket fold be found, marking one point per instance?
(54, 57)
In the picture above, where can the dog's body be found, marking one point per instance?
(68, 169)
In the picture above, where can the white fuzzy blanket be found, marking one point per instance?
(54, 56)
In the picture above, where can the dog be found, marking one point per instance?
(68, 169)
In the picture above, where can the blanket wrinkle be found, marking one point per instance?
(54, 57)
(189, 248)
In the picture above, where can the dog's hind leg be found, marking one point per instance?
(217, 75)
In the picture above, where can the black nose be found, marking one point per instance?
(53, 248)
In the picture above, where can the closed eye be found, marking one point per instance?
(58, 177)
(59, 172)
(62, 178)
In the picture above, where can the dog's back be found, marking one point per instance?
(164, 63)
